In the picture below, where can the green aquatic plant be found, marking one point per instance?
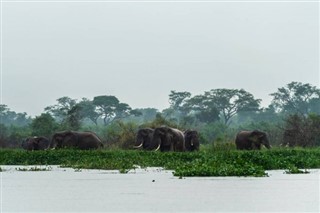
(294, 170)
(221, 162)
(34, 169)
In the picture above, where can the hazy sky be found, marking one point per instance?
(139, 51)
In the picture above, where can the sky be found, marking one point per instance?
(140, 51)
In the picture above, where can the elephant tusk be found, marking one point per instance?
(137, 147)
(157, 148)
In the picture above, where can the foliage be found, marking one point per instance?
(43, 125)
(88, 110)
(215, 132)
(297, 97)
(302, 131)
(160, 121)
(60, 110)
(8, 117)
(120, 135)
(110, 108)
(229, 102)
(214, 162)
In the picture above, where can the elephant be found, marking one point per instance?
(168, 139)
(74, 139)
(144, 139)
(191, 139)
(251, 140)
(35, 143)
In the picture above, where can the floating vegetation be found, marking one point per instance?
(34, 169)
(295, 170)
(203, 163)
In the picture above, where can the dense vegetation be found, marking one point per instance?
(291, 120)
(222, 160)
(217, 114)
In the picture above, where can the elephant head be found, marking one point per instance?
(249, 140)
(65, 139)
(168, 139)
(35, 143)
(144, 139)
(191, 140)
(27, 144)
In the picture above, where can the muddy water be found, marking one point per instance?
(154, 190)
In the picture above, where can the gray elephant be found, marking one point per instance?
(168, 139)
(78, 140)
(191, 139)
(35, 143)
(144, 139)
(251, 140)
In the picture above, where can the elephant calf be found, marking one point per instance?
(251, 140)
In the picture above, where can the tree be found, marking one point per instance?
(110, 108)
(201, 107)
(297, 97)
(74, 117)
(229, 102)
(177, 100)
(302, 130)
(60, 110)
(8, 117)
(88, 110)
(43, 125)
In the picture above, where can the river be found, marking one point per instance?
(154, 190)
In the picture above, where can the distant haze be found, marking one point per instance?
(139, 51)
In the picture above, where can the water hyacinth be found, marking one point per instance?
(202, 163)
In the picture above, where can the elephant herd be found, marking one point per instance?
(161, 138)
(167, 139)
(65, 139)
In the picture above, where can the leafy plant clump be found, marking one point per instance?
(295, 170)
(208, 162)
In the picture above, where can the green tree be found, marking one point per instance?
(88, 110)
(43, 125)
(178, 100)
(8, 117)
(60, 110)
(110, 108)
(229, 102)
(297, 97)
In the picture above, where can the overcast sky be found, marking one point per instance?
(139, 51)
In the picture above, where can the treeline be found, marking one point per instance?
(292, 115)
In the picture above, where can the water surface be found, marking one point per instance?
(154, 190)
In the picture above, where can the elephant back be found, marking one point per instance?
(88, 140)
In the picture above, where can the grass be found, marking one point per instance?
(207, 162)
